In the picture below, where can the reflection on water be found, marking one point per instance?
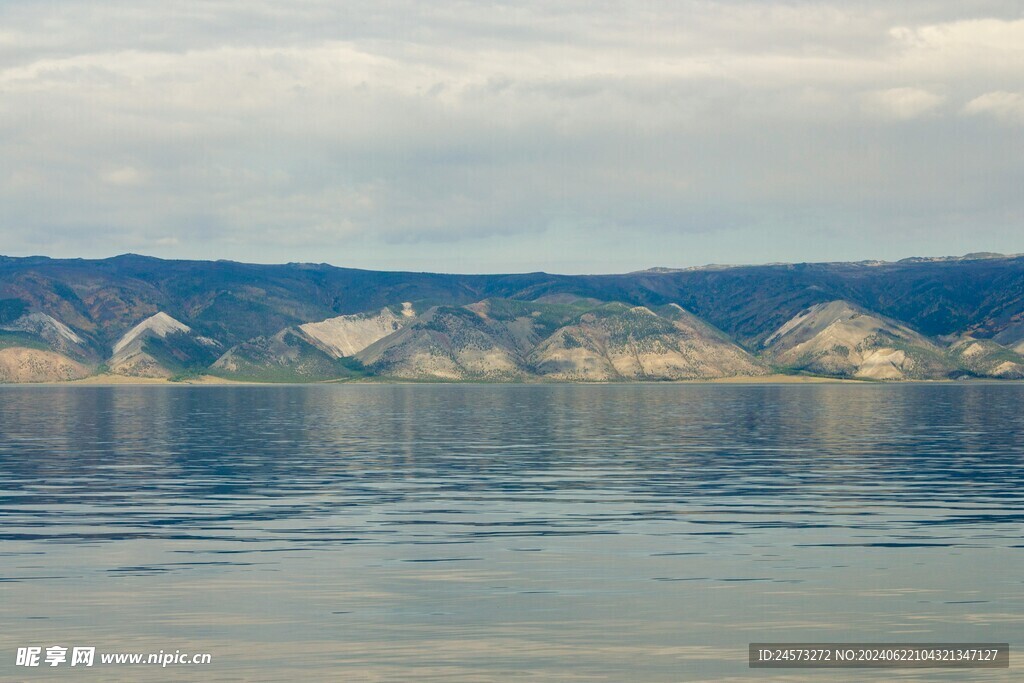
(460, 532)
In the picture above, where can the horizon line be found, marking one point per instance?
(653, 270)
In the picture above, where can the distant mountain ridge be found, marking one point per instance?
(920, 318)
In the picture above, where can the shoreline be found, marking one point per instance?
(211, 380)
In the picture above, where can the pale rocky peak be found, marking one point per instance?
(159, 324)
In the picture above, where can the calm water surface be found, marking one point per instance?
(476, 533)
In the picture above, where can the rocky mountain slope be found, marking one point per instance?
(1012, 335)
(616, 341)
(841, 339)
(986, 358)
(141, 316)
(499, 339)
(161, 346)
(35, 347)
(288, 356)
(26, 364)
(448, 343)
(347, 335)
(49, 332)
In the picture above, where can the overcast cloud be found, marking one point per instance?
(485, 137)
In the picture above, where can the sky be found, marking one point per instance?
(574, 137)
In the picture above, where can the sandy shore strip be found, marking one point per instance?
(109, 379)
(771, 379)
(211, 380)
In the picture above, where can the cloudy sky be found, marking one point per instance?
(590, 136)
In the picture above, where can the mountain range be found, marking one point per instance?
(137, 316)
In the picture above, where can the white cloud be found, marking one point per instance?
(987, 36)
(1006, 106)
(902, 103)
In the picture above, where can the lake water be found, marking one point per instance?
(478, 533)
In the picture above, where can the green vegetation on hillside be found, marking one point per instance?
(10, 339)
(180, 353)
(285, 357)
